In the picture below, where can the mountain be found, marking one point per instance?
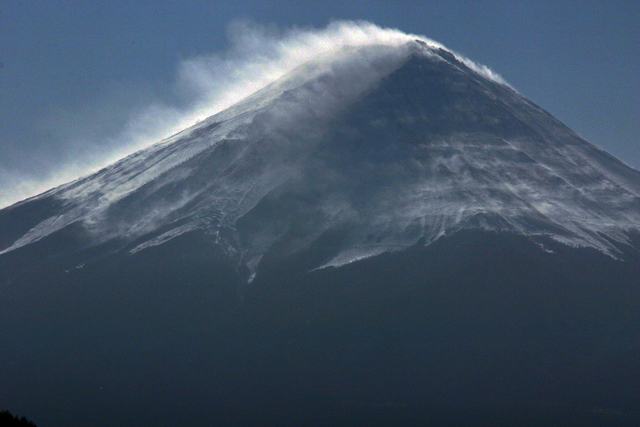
(387, 234)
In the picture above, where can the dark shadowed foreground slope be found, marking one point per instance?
(476, 327)
(386, 237)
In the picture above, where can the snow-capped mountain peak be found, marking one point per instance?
(386, 146)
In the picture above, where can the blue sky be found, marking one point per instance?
(72, 73)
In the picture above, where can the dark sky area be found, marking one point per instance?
(72, 73)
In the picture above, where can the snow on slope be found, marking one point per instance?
(390, 144)
(88, 198)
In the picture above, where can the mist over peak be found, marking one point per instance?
(257, 56)
(391, 138)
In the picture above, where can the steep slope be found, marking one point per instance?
(383, 236)
(390, 145)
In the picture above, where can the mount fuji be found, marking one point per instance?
(388, 233)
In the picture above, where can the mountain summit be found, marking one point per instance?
(390, 145)
(384, 227)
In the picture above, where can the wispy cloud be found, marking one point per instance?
(130, 120)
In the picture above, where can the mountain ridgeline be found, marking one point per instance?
(384, 235)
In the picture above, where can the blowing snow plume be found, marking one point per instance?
(257, 56)
(389, 138)
(272, 102)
